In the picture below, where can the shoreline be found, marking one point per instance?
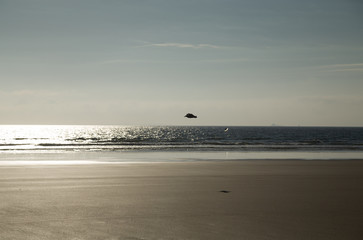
(109, 157)
(56, 163)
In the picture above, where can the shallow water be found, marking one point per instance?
(130, 157)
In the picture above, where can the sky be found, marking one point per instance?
(149, 62)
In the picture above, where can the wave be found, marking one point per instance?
(200, 146)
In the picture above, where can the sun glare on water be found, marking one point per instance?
(29, 136)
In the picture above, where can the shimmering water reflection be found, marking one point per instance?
(43, 138)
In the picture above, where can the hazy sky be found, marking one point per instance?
(231, 62)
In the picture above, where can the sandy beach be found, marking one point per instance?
(271, 199)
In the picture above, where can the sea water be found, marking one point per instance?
(181, 142)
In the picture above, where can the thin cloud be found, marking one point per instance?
(348, 70)
(31, 93)
(347, 65)
(353, 67)
(226, 60)
(183, 45)
(117, 61)
(138, 61)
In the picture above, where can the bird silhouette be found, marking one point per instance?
(190, 115)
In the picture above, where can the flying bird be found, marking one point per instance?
(190, 115)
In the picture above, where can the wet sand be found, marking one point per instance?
(188, 200)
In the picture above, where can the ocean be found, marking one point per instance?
(214, 140)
